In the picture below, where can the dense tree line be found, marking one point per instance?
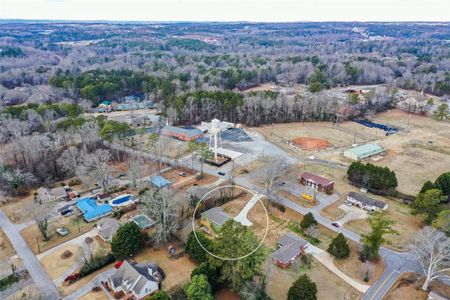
(372, 177)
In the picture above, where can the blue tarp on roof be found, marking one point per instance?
(159, 181)
(91, 210)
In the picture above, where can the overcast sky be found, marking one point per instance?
(228, 10)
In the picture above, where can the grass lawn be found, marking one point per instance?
(329, 286)
(332, 211)
(354, 268)
(56, 266)
(178, 270)
(406, 224)
(67, 290)
(98, 295)
(76, 226)
(6, 249)
(299, 200)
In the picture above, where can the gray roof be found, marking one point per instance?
(216, 215)
(135, 275)
(290, 247)
(367, 200)
(192, 132)
(107, 227)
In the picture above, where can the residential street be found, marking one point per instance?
(30, 261)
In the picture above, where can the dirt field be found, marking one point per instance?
(55, 265)
(178, 270)
(329, 286)
(406, 224)
(172, 148)
(33, 236)
(6, 249)
(225, 294)
(310, 143)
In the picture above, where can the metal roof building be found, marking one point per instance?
(364, 151)
(92, 211)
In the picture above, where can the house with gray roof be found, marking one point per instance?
(213, 219)
(107, 228)
(365, 202)
(136, 280)
(290, 247)
(55, 194)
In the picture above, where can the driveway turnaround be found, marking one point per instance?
(30, 261)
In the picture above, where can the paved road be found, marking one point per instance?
(30, 261)
(396, 263)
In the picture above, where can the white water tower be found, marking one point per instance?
(215, 138)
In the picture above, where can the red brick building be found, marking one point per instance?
(317, 182)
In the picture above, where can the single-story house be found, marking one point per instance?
(290, 247)
(160, 181)
(317, 182)
(55, 194)
(136, 280)
(366, 202)
(213, 219)
(91, 211)
(364, 151)
(107, 228)
(182, 134)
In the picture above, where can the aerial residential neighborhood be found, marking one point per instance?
(199, 150)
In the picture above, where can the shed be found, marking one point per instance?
(160, 181)
(364, 151)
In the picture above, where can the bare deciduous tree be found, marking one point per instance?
(94, 167)
(272, 172)
(159, 205)
(432, 250)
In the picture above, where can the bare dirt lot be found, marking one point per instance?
(310, 143)
(329, 286)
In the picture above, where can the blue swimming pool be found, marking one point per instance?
(121, 200)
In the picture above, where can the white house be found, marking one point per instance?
(138, 280)
(55, 194)
(365, 202)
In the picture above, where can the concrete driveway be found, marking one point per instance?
(328, 261)
(351, 213)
